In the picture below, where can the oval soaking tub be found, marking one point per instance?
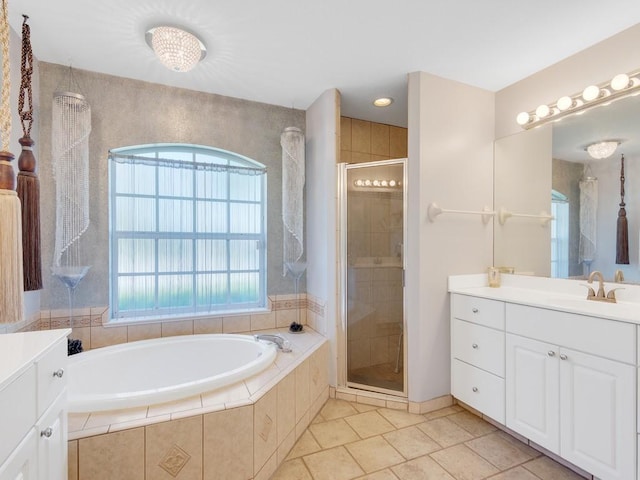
(160, 370)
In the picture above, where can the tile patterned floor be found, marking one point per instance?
(355, 441)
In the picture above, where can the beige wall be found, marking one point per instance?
(363, 141)
(322, 149)
(522, 184)
(451, 163)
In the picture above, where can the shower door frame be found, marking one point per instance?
(342, 277)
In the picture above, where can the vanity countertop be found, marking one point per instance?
(551, 293)
(19, 350)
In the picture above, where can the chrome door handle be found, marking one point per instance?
(47, 432)
(59, 373)
(563, 356)
(474, 310)
(551, 353)
(475, 345)
(475, 389)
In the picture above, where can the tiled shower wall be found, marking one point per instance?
(374, 329)
(376, 307)
(363, 141)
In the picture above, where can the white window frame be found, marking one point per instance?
(218, 157)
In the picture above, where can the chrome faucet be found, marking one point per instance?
(280, 342)
(600, 295)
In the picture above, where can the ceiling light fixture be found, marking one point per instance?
(602, 150)
(620, 86)
(177, 49)
(383, 101)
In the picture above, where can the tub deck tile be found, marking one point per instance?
(141, 422)
(189, 403)
(107, 417)
(240, 394)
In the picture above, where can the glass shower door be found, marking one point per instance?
(375, 229)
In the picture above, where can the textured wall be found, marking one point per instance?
(130, 112)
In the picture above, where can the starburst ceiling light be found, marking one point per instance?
(601, 150)
(177, 49)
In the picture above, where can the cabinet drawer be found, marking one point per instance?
(478, 389)
(17, 411)
(51, 368)
(478, 345)
(478, 310)
(597, 336)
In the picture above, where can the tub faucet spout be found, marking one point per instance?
(280, 342)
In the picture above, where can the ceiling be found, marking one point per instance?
(287, 52)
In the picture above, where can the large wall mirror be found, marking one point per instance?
(548, 169)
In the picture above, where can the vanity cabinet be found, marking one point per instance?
(33, 415)
(573, 403)
(477, 346)
(566, 382)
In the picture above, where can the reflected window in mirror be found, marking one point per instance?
(559, 235)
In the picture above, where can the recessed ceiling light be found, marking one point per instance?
(383, 101)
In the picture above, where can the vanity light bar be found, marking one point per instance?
(620, 86)
(377, 183)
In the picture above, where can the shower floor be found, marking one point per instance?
(381, 376)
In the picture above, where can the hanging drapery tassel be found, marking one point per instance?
(28, 183)
(11, 300)
(622, 234)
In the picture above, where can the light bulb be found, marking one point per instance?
(591, 93)
(564, 103)
(392, 183)
(384, 183)
(376, 183)
(367, 183)
(523, 118)
(543, 111)
(620, 82)
(358, 183)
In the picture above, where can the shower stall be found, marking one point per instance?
(372, 242)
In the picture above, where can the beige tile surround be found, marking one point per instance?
(243, 431)
(349, 440)
(92, 327)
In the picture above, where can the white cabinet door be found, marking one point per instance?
(52, 441)
(22, 464)
(532, 390)
(597, 428)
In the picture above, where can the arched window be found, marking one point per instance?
(187, 231)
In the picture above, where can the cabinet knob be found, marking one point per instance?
(474, 310)
(47, 432)
(475, 345)
(563, 356)
(59, 373)
(551, 353)
(475, 389)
